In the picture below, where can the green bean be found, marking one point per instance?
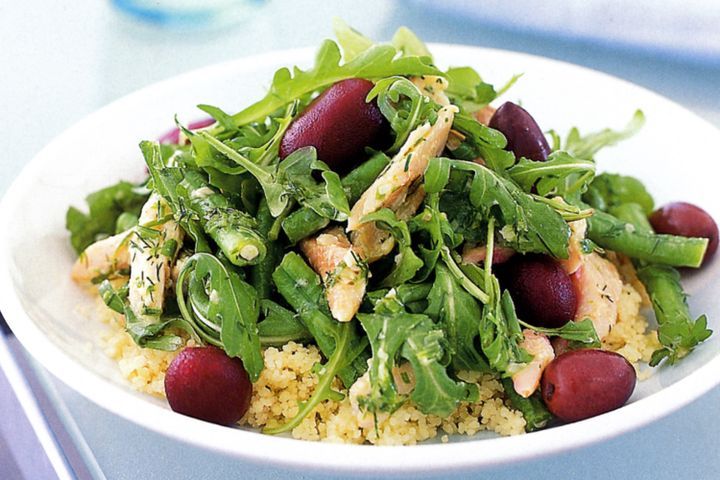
(532, 408)
(634, 214)
(677, 331)
(280, 326)
(234, 231)
(614, 234)
(304, 222)
(261, 273)
(302, 289)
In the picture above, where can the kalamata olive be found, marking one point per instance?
(543, 293)
(173, 136)
(584, 383)
(687, 220)
(524, 137)
(339, 124)
(204, 383)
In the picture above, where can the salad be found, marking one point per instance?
(383, 242)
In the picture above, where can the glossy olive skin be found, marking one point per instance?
(543, 293)
(524, 137)
(339, 123)
(204, 383)
(687, 220)
(584, 383)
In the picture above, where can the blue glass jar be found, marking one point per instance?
(189, 14)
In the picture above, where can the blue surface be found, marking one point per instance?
(683, 445)
(63, 60)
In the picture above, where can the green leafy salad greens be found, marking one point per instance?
(243, 279)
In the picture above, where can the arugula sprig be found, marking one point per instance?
(561, 174)
(586, 146)
(581, 333)
(435, 391)
(407, 263)
(105, 209)
(500, 332)
(353, 43)
(387, 332)
(377, 61)
(459, 313)
(292, 179)
(144, 332)
(468, 91)
(344, 349)
(393, 334)
(404, 106)
(610, 190)
(526, 224)
(222, 308)
(481, 141)
(258, 142)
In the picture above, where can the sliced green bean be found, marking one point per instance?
(616, 235)
(234, 231)
(261, 272)
(677, 331)
(533, 409)
(304, 222)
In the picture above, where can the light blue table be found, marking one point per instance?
(62, 60)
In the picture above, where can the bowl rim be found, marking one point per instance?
(323, 456)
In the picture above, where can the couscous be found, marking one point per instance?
(375, 253)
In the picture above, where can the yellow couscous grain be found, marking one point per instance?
(288, 379)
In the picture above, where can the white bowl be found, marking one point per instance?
(49, 314)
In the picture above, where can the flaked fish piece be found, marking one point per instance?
(433, 87)
(103, 258)
(527, 380)
(177, 267)
(599, 286)
(575, 259)
(396, 187)
(372, 242)
(343, 272)
(153, 248)
(392, 187)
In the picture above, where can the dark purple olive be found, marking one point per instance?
(687, 220)
(524, 137)
(204, 383)
(584, 383)
(543, 293)
(339, 124)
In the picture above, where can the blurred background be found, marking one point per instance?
(63, 60)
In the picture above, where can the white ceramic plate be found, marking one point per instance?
(50, 315)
